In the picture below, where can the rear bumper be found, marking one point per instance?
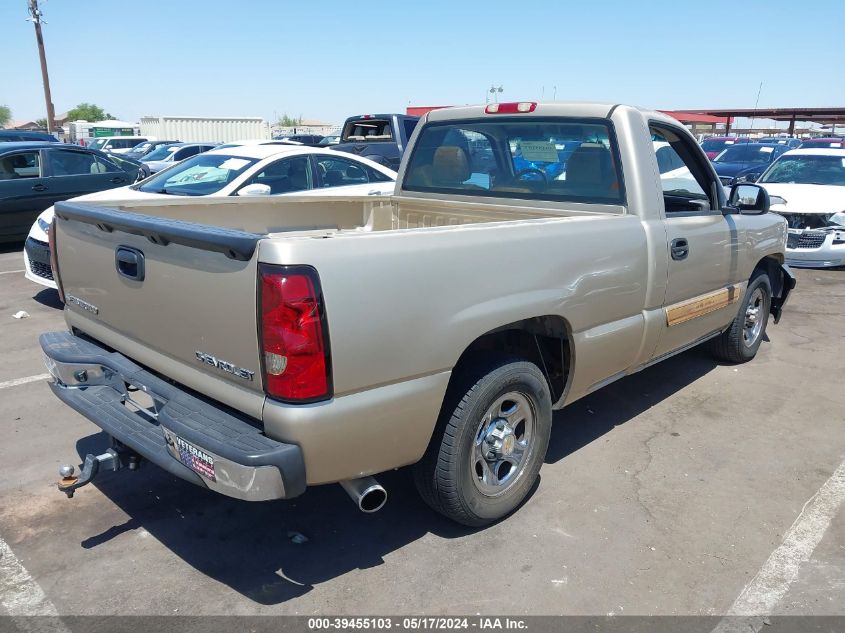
(166, 424)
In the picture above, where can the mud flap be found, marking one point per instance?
(787, 283)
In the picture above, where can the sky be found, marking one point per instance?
(328, 60)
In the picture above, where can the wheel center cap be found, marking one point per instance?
(501, 439)
(508, 443)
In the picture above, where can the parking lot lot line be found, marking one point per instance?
(23, 381)
(9, 272)
(769, 586)
(20, 595)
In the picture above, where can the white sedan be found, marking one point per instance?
(256, 170)
(810, 189)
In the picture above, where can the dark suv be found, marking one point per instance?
(15, 136)
(36, 175)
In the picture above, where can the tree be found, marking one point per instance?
(288, 121)
(41, 123)
(5, 115)
(88, 112)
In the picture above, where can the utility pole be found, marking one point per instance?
(36, 17)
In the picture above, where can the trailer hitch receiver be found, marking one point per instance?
(111, 460)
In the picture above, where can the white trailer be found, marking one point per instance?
(198, 129)
(82, 130)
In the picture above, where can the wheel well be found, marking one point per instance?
(545, 341)
(771, 265)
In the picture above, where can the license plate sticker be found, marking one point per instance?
(194, 458)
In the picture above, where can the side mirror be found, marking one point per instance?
(254, 190)
(749, 199)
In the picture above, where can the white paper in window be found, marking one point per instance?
(234, 164)
(539, 151)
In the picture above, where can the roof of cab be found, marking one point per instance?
(581, 109)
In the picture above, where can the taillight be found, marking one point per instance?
(521, 107)
(54, 260)
(294, 335)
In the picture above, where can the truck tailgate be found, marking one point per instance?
(180, 295)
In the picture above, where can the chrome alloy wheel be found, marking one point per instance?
(503, 443)
(755, 316)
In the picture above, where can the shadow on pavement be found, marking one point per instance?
(591, 417)
(50, 298)
(11, 247)
(247, 546)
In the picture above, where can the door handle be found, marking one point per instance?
(117, 179)
(129, 262)
(39, 187)
(680, 248)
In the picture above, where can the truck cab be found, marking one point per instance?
(379, 137)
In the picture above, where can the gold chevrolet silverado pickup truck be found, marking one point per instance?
(531, 254)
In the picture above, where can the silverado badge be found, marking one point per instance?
(226, 366)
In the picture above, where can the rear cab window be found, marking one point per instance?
(554, 159)
(367, 130)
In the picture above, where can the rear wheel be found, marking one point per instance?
(490, 441)
(740, 342)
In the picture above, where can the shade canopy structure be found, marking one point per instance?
(824, 116)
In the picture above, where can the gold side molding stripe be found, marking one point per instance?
(699, 306)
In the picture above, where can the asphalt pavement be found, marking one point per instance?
(690, 488)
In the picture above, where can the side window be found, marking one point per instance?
(285, 176)
(21, 165)
(104, 166)
(686, 182)
(339, 172)
(410, 125)
(68, 163)
(186, 152)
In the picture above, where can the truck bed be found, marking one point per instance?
(268, 216)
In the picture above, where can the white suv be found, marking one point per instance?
(115, 144)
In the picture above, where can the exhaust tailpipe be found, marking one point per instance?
(366, 492)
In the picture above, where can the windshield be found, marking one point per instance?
(807, 169)
(199, 175)
(96, 143)
(745, 153)
(162, 153)
(141, 147)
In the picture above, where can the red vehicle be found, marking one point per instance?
(835, 142)
(714, 145)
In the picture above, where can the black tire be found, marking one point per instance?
(444, 476)
(732, 345)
